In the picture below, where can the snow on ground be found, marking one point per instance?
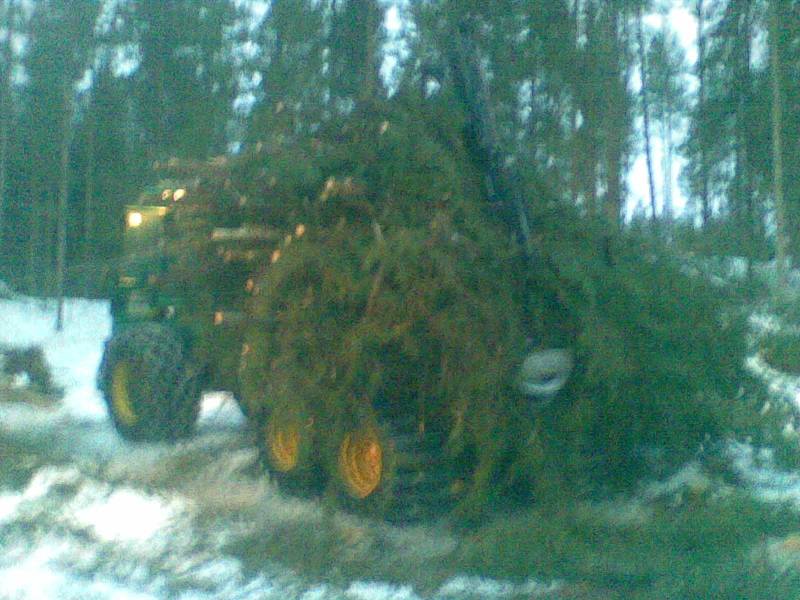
(94, 516)
(84, 514)
(74, 354)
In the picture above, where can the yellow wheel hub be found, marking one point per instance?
(361, 463)
(120, 395)
(284, 447)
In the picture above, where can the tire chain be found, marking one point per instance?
(169, 397)
(424, 475)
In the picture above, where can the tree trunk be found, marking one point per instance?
(63, 196)
(34, 227)
(5, 114)
(88, 204)
(372, 24)
(781, 235)
(668, 159)
(590, 126)
(614, 120)
(705, 205)
(574, 184)
(743, 189)
(646, 112)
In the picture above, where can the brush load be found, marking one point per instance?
(395, 350)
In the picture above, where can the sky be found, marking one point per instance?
(684, 24)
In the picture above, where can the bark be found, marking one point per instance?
(646, 113)
(743, 190)
(705, 205)
(781, 234)
(574, 183)
(667, 119)
(63, 196)
(5, 114)
(34, 226)
(590, 125)
(614, 121)
(669, 149)
(370, 77)
(88, 214)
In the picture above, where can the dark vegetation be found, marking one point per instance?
(395, 291)
(781, 350)
(31, 363)
(410, 283)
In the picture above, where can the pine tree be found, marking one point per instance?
(668, 100)
(294, 90)
(354, 42)
(776, 12)
(729, 137)
(184, 83)
(702, 168)
(645, 107)
(61, 41)
(5, 115)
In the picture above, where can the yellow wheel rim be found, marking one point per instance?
(120, 395)
(361, 463)
(284, 447)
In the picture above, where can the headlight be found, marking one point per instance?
(135, 219)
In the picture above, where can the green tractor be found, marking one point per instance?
(170, 341)
(394, 347)
(379, 360)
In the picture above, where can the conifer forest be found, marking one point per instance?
(523, 270)
(93, 93)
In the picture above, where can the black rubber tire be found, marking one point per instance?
(419, 482)
(427, 482)
(163, 392)
(307, 479)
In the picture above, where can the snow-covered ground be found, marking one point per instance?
(84, 514)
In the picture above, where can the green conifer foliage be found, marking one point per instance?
(394, 297)
(393, 294)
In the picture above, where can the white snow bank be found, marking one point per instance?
(479, 587)
(757, 469)
(101, 528)
(379, 591)
(30, 574)
(102, 512)
(73, 354)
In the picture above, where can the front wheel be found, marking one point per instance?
(149, 385)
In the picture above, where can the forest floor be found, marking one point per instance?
(85, 514)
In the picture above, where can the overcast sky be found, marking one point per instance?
(683, 23)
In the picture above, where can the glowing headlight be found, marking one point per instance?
(179, 194)
(135, 219)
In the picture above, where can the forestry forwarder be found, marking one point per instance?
(354, 295)
(383, 300)
(192, 311)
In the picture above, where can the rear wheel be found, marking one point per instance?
(149, 385)
(360, 463)
(286, 447)
(398, 472)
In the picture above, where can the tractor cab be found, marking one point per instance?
(149, 229)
